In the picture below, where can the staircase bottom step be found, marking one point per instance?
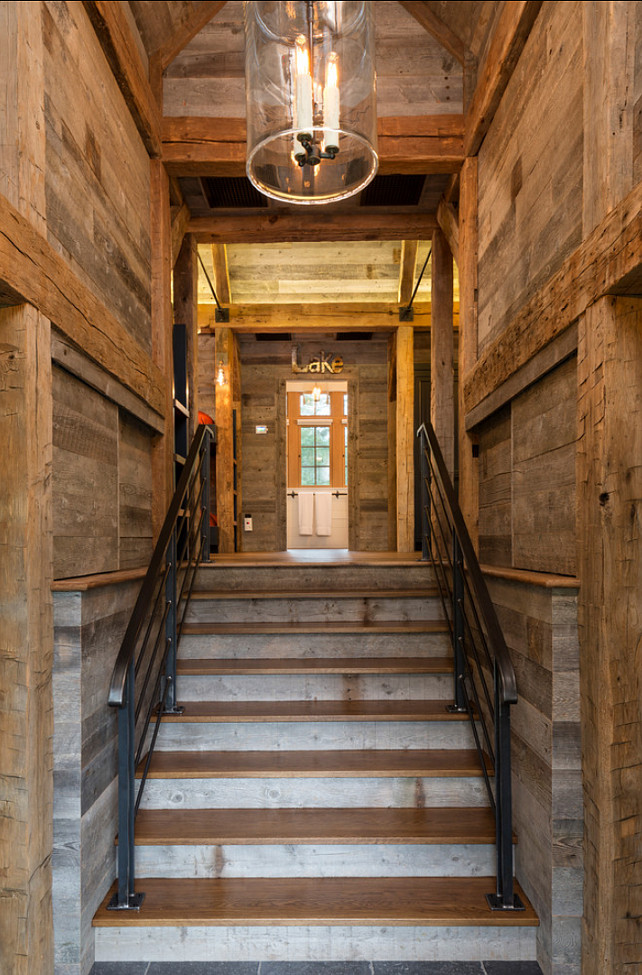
(397, 901)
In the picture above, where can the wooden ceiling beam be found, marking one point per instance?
(302, 317)
(509, 38)
(119, 47)
(407, 271)
(221, 273)
(273, 226)
(194, 146)
(437, 28)
(197, 17)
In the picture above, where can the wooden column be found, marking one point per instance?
(225, 439)
(186, 312)
(442, 392)
(468, 249)
(161, 245)
(609, 469)
(405, 438)
(26, 555)
(26, 646)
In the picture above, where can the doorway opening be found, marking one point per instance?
(317, 459)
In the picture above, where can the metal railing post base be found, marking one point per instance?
(134, 902)
(175, 709)
(496, 903)
(457, 709)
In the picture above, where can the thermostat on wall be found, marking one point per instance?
(261, 429)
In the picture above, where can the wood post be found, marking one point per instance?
(161, 245)
(442, 390)
(609, 468)
(225, 506)
(405, 438)
(468, 251)
(26, 645)
(186, 312)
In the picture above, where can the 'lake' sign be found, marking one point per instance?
(326, 362)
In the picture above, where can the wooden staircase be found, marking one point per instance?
(316, 799)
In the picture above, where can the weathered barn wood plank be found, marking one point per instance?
(185, 294)
(135, 490)
(225, 442)
(430, 21)
(442, 387)
(468, 250)
(449, 224)
(508, 40)
(44, 279)
(265, 226)
(180, 220)
(608, 256)
(610, 571)
(120, 48)
(26, 651)
(199, 15)
(202, 146)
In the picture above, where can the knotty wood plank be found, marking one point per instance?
(314, 665)
(274, 226)
(508, 40)
(45, 280)
(162, 827)
(120, 48)
(343, 763)
(430, 21)
(424, 592)
(255, 711)
(426, 901)
(608, 260)
(411, 626)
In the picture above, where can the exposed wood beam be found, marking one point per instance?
(407, 271)
(194, 21)
(449, 225)
(507, 44)
(180, 220)
(270, 226)
(43, 278)
(224, 413)
(194, 146)
(221, 273)
(348, 316)
(120, 49)
(436, 26)
(609, 261)
(405, 438)
(442, 387)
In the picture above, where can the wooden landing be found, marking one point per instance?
(287, 627)
(253, 827)
(198, 666)
(252, 711)
(341, 763)
(430, 901)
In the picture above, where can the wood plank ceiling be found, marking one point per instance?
(425, 55)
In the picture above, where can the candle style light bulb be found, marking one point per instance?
(331, 103)
(303, 107)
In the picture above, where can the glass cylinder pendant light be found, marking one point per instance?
(311, 99)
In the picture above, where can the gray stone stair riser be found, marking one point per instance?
(317, 860)
(298, 577)
(276, 793)
(322, 687)
(299, 645)
(375, 942)
(319, 610)
(310, 736)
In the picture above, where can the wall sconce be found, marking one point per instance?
(311, 99)
(316, 393)
(220, 374)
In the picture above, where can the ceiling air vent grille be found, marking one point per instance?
(393, 191)
(231, 192)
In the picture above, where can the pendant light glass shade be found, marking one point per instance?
(311, 99)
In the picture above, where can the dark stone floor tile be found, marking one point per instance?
(512, 968)
(315, 968)
(203, 968)
(428, 968)
(120, 968)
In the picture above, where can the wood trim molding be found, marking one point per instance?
(42, 277)
(609, 261)
(194, 146)
(119, 47)
(525, 577)
(507, 44)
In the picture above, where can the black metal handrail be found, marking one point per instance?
(143, 684)
(484, 679)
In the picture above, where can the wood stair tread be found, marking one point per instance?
(193, 666)
(382, 626)
(340, 763)
(205, 827)
(229, 711)
(361, 593)
(430, 901)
